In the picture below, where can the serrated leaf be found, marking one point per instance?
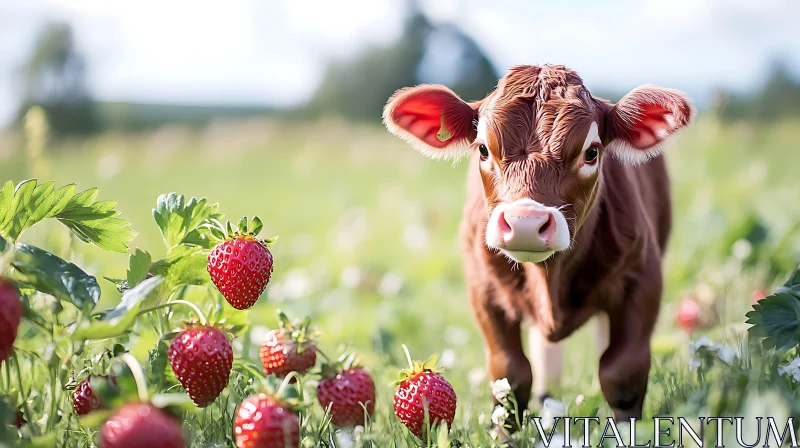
(776, 319)
(52, 275)
(242, 225)
(183, 265)
(94, 222)
(119, 320)
(180, 221)
(139, 266)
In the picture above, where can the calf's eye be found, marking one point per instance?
(484, 151)
(590, 156)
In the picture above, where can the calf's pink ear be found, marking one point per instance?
(641, 125)
(433, 119)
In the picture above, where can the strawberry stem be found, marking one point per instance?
(138, 375)
(408, 357)
(191, 305)
(286, 381)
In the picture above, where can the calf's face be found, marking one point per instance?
(542, 139)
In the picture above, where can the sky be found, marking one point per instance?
(273, 52)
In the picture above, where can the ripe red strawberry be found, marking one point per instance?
(140, 425)
(202, 358)
(19, 419)
(241, 265)
(84, 399)
(264, 422)
(689, 311)
(348, 390)
(420, 385)
(10, 317)
(289, 348)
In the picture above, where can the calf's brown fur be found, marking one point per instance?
(618, 216)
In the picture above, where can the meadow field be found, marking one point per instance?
(368, 248)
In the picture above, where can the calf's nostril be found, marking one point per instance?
(547, 228)
(505, 227)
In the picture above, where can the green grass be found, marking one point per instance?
(351, 202)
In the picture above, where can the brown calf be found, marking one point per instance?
(555, 231)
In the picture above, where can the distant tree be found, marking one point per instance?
(54, 78)
(778, 97)
(359, 88)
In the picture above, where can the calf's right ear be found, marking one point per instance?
(433, 119)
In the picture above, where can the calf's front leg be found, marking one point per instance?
(625, 364)
(504, 353)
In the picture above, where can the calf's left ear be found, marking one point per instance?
(641, 125)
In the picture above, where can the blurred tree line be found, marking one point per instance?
(778, 97)
(54, 78)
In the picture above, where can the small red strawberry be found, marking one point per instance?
(84, 399)
(263, 421)
(348, 390)
(10, 317)
(241, 265)
(419, 387)
(201, 357)
(140, 425)
(689, 311)
(19, 419)
(289, 348)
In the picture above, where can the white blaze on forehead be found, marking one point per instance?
(591, 137)
(482, 129)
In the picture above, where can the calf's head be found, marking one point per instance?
(542, 140)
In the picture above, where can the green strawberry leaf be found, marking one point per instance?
(181, 221)
(119, 320)
(139, 266)
(93, 222)
(776, 319)
(793, 284)
(184, 265)
(52, 275)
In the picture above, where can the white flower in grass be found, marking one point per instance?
(792, 369)
(551, 408)
(447, 359)
(476, 377)
(482, 418)
(579, 399)
(725, 353)
(344, 439)
(499, 415)
(500, 389)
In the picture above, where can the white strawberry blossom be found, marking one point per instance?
(499, 415)
(792, 369)
(501, 389)
(723, 352)
(551, 408)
